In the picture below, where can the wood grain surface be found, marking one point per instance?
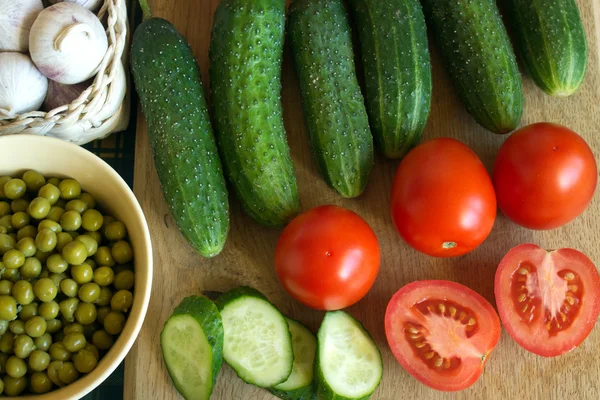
(511, 373)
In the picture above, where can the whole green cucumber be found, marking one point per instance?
(551, 39)
(169, 84)
(246, 51)
(397, 67)
(479, 59)
(334, 109)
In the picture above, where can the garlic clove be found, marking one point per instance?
(16, 18)
(67, 43)
(22, 87)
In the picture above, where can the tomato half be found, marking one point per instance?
(443, 201)
(548, 301)
(441, 332)
(545, 176)
(327, 258)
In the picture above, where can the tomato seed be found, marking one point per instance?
(569, 276)
(442, 308)
(438, 362)
(446, 363)
(429, 355)
(412, 329)
(570, 300)
(523, 271)
(522, 298)
(573, 288)
(420, 345)
(452, 312)
(472, 322)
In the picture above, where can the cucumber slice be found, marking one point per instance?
(299, 385)
(192, 347)
(258, 344)
(349, 364)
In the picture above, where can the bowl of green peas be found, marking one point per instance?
(75, 269)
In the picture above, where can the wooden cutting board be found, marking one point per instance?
(511, 373)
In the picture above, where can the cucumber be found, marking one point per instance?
(348, 363)
(258, 343)
(397, 69)
(551, 40)
(334, 110)
(299, 385)
(169, 85)
(246, 51)
(479, 59)
(192, 347)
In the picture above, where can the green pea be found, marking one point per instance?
(45, 273)
(14, 386)
(6, 243)
(33, 181)
(28, 311)
(19, 205)
(27, 231)
(52, 372)
(17, 327)
(8, 308)
(103, 257)
(49, 310)
(54, 325)
(5, 287)
(39, 208)
(70, 221)
(45, 240)
(124, 280)
(92, 220)
(92, 349)
(45, 289)
(61, 203)
(7, 343)
(3, 180)
(3, 327)
(97, 236)
(57, 279)
(49, 224)
(69, 189)
(57, 264)
(59, 352)
(85, 361)
(85, 313)
(90, 244)
(115, 231)
(20, 219)
(55, 213)
(74, 234)
(105, 296)
(89, 292)
(69, 287)
(114, 322)
(88, 199)
(50, 193)
(54, 181)
(3, 230)
(77, 205)
(15, 367)
(26, 246)
(36, 326)
(68, 307)
(102, 313)
(43, 342)
(6, 223)
(40, 383)
(23, 292)
(91, 263)
(89, 330)
(74, 327)
(82, 273)
(74, 252)
(4, 208)
(102, 340)
(14, 189)
(63, 239)
(12, 275)
(39, 360)
(13, 259)
(122, 300)
(23, 346)
(43, 255)
(74, 342)
(104, 276)
(68, 373)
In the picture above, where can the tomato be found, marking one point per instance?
(443, 202)
(327, 258)
(548, 301)
(441, 332)
(545, 176)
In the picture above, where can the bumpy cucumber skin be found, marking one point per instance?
(324, 391)
(169, 84)
(479, 59)
(397, 67)
(206, 313)
(551, 40)
(334, 109)
(246, 53)
(304, 393)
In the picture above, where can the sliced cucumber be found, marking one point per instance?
(349, 364)
(192, 347)
(299, 385)
(258, 344)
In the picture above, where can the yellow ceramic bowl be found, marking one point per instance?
(54, 157)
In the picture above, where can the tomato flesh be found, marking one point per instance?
(548, 301)
(441, 332)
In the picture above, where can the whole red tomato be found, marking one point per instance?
(327, 258)
(443, 201)
(545, 176)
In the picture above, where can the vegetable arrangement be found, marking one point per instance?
(443, 201)
(66, 43)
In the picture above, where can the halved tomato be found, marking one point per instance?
(548, 301)
(441, 332)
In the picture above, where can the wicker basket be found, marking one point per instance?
(101, 109)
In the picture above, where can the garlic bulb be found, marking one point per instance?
(67, 43)
(22, 86)
(62, 95)
(16, 18)
(91, 5)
